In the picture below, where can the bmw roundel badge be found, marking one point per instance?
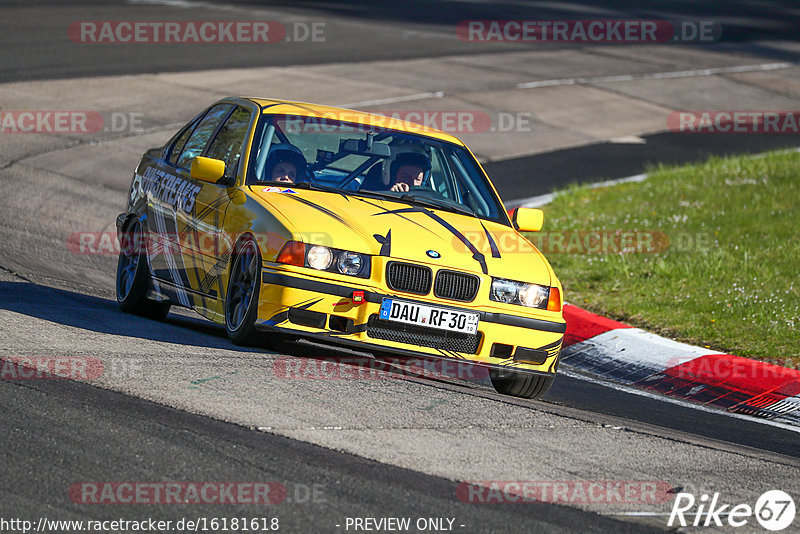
(433, 254)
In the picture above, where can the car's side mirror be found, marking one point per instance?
(528, 219)
(207, 169)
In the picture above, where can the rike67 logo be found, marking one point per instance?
(774, 510)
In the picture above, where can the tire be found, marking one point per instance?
(133, 279)
(520, 383)
(241, 299)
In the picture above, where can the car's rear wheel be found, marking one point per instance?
(520, 383)
(133, 280)
(241, 300)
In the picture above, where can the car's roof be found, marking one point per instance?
(288, 107)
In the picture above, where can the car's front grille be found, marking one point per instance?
(422, 336)
(408, 277)
(456, 286)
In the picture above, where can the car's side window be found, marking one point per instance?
(227, 145)
(199, 138)
(175, 151)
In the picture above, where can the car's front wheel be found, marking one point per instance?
(241, 300)
(520, 383)
(132, 277)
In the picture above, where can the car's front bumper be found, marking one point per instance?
(296, 302)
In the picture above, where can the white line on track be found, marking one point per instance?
(644, 393)
(666, 514)
(394, 99)
(648, 514)
(168, 3)
(597, 79)
(657, 75)
(547, 198)
(424, 33)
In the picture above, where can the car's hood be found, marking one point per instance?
(404, 231)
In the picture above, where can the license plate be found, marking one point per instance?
(432, 316)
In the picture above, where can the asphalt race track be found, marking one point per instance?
(361, 30)
(176, 401)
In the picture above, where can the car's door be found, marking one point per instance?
(214, 244)
(171, 208)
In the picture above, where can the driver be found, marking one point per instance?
(408, 170)
(283, 171)
(285, 165)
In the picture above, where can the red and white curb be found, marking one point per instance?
(631, 356)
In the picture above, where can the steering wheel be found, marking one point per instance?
(425, 190)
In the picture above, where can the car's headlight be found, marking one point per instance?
(319, 257)
(534, 296)
(324, 258)
(529, 295)
(350, 263)
(504, 290)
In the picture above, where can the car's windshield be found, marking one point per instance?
(370, 160)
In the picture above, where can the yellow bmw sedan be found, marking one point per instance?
(342, 226)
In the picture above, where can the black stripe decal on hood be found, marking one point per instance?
(476, 254)
(317, 207)
(492, 244)
(404, 218)
(327, 212)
